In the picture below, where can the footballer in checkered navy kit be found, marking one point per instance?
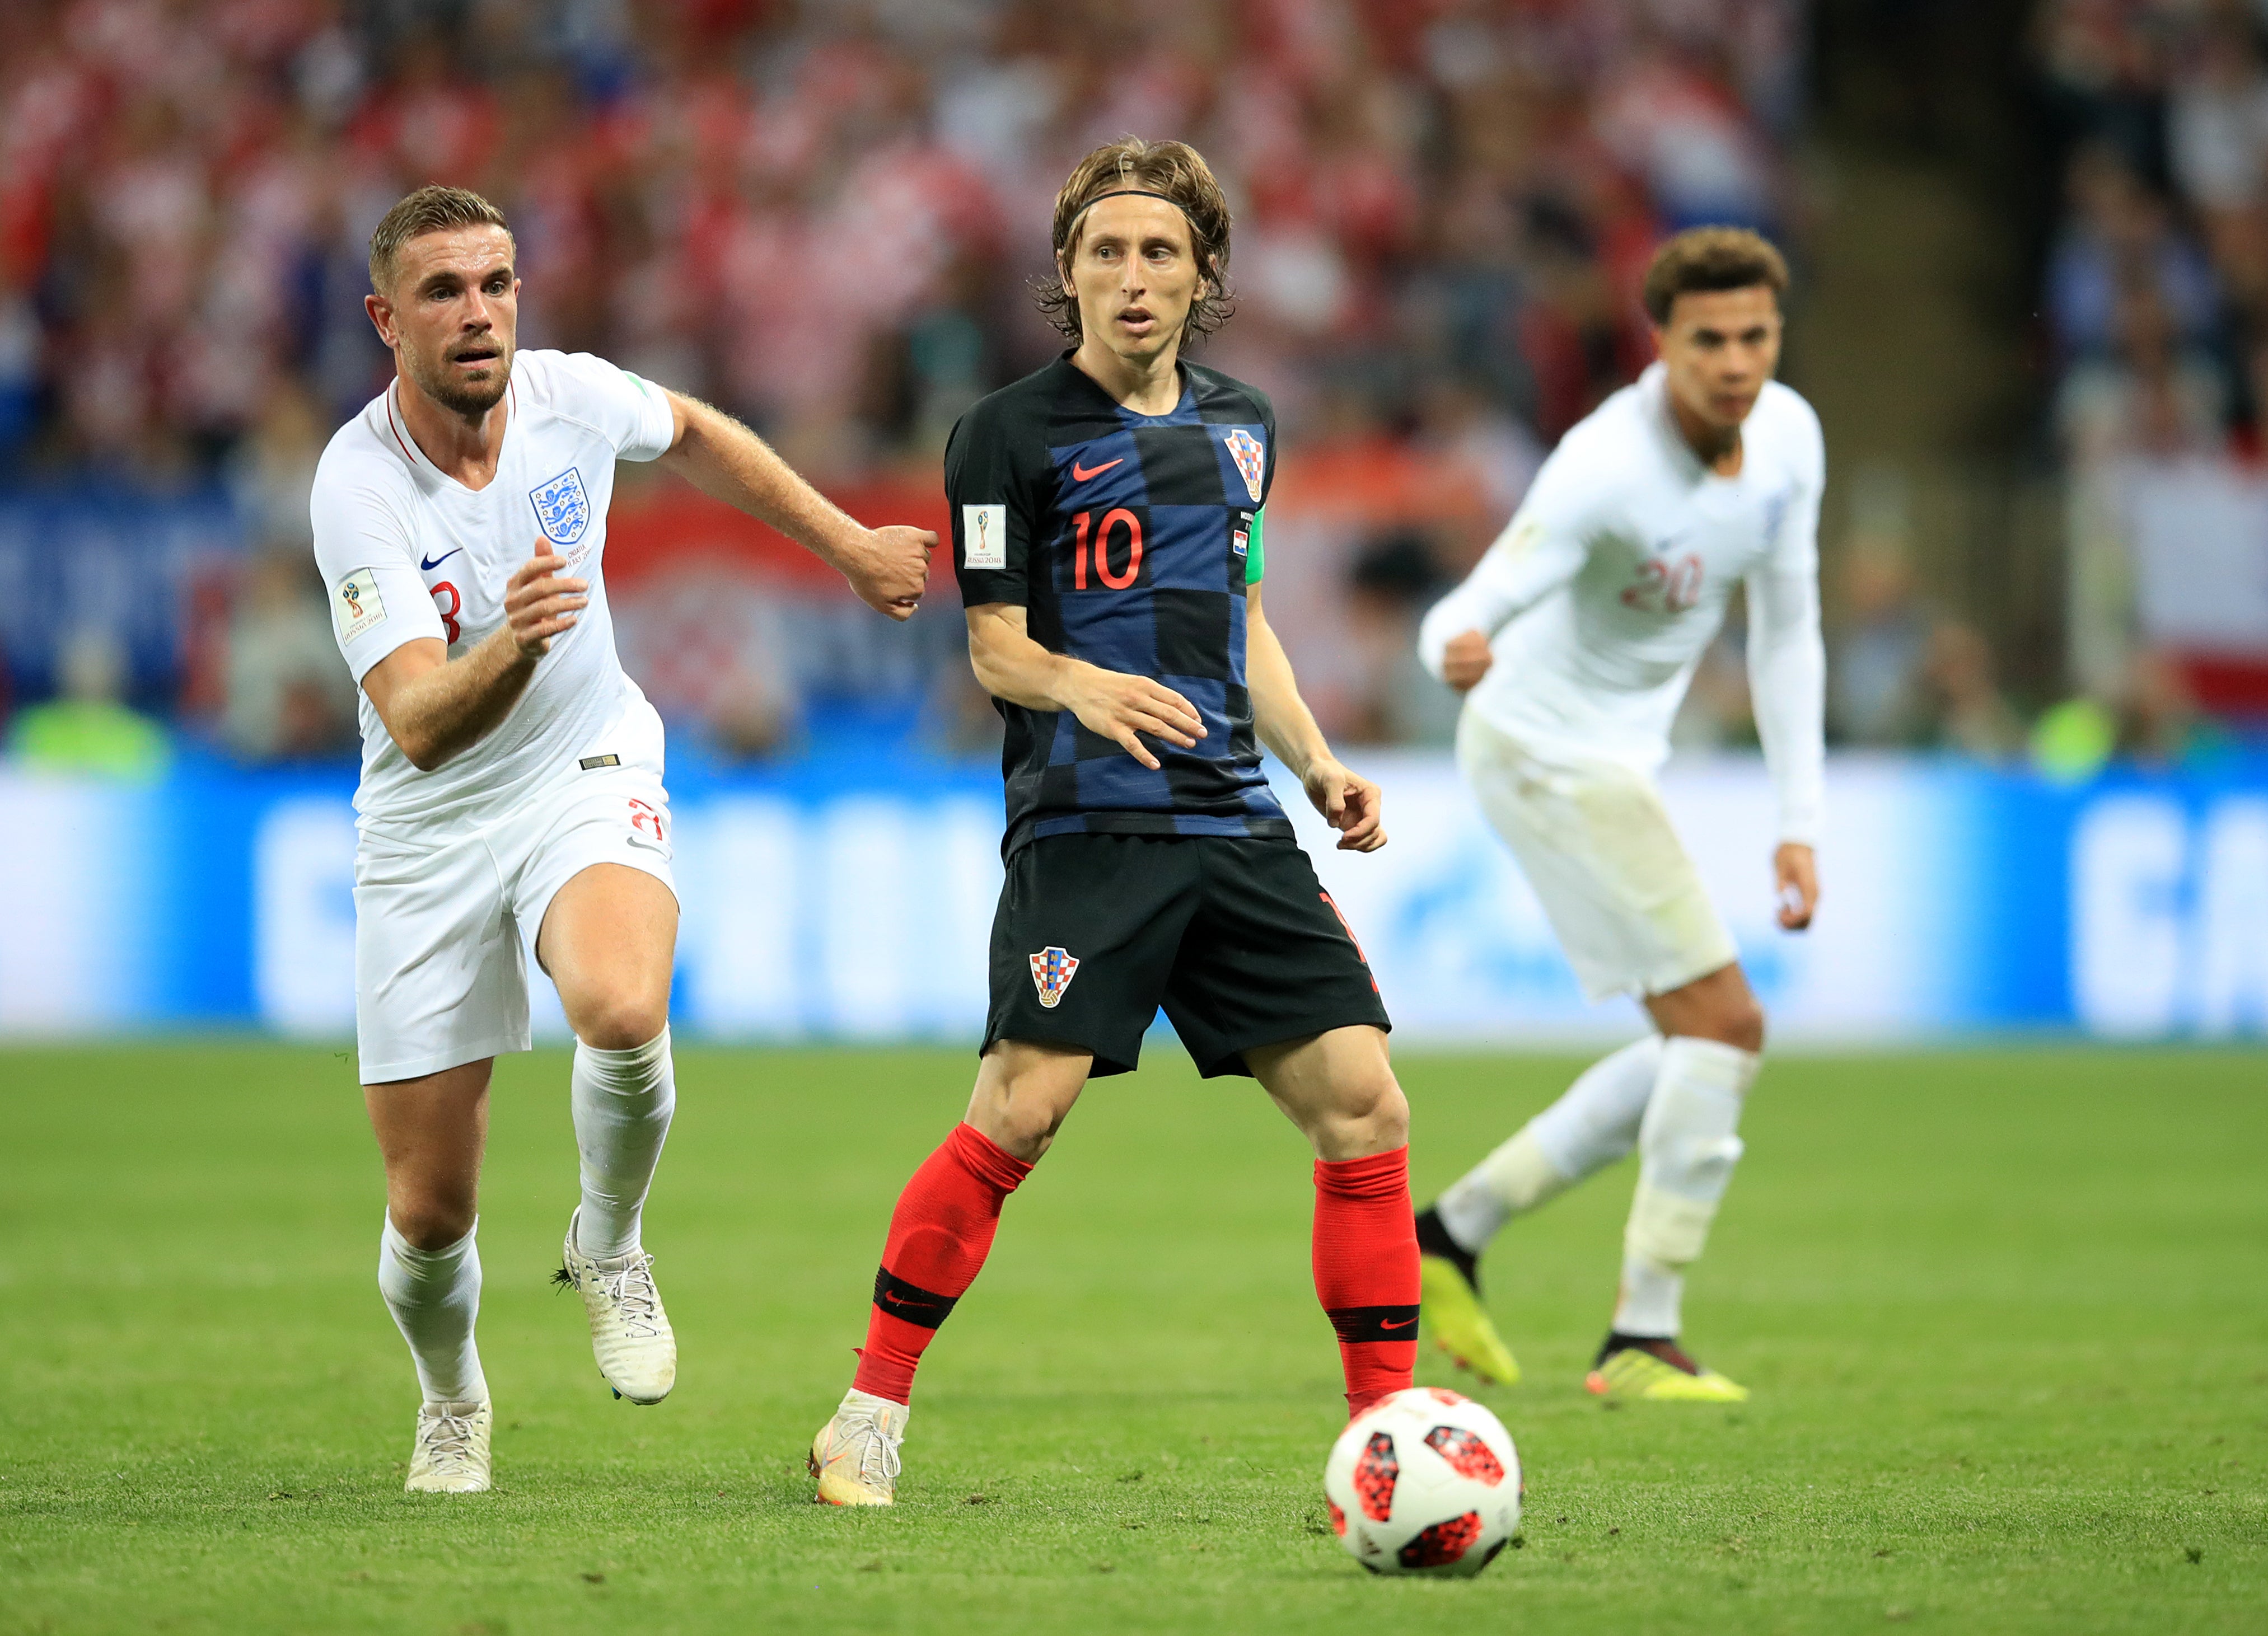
(1109, 533)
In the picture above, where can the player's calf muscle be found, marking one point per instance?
(430, 1131)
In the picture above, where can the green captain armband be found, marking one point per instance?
(1255, 559)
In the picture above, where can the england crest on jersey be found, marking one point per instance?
(562, 510)
(1251, 459)
(1052, 971)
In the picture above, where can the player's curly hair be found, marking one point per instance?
(1706, 259)
(432, 209)
(1178, 172)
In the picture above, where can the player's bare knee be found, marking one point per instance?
(1742, 1024)
(1027, 1129)
(1387, 1123)
(1369, 1115)
(431, 1220)
(622, 1023)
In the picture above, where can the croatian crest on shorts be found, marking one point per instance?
(1052, 971)
(562, 510)
(1251, 459)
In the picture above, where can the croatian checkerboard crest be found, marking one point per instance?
(1052, 971)
(1251, 459)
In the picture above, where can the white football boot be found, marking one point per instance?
(630, 1332)
(451, 1455)
(855, 1456)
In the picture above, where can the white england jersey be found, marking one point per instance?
(410, 552)
(1610, 581)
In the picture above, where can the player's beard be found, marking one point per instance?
(449, 388)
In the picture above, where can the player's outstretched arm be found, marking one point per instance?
(1010, 665)
(435, 706)
(1350, 804)
(1531, 558)
(887, 567)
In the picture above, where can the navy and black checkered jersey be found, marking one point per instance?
(1128, 540)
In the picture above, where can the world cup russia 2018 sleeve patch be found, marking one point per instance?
(357, 607)
(984, 536)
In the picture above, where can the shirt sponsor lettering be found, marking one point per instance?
(984, 536)
(357, 606)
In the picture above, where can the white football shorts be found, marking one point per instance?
(440, 977)
(1596, 844)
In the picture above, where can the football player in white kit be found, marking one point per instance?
(1574, 640)
(511, 779)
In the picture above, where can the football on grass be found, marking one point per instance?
(1423, 1482)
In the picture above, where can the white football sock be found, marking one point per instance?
(1651, 1300)
(1594, 1123)
(1687, 1149)
(623, 1102)
(435, 1296)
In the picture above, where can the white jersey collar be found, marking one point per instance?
(1653, 387)
(397, 427)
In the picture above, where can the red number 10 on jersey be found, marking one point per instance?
(1110, 520)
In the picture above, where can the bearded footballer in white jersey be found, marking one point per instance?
(511, 779)
(1573, 641)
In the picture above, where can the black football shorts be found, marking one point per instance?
(1235, 937)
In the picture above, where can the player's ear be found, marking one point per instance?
(382, 316)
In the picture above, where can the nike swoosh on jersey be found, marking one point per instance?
(1081, 473)
(424, 567)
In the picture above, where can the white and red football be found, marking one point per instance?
(1423, 1482)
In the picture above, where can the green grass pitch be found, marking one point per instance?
(2003, 1313)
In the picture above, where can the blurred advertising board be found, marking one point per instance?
(854, 904)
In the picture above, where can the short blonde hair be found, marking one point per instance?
(1703, 260)
(432, 209)
(1174, 171)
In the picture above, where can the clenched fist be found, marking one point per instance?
(1466, 660)
(889, 568)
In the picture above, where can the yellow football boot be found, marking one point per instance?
(1450, 1308)
(1655, 1371)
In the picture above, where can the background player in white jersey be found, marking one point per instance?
(512, 778)
(1574, 640)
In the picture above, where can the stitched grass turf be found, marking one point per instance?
(2002, 1312)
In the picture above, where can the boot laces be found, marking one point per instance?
(630, 1289)
(878, 1446)
(448, 1439)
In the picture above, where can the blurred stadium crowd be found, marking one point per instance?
(826, 216)
(2156, 298)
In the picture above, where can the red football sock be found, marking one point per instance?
(939, 1234)
(1365, 1253)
